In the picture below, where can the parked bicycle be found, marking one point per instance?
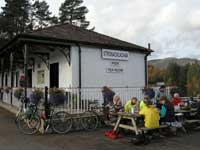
(22, 108)
(96, 115)
(30, 121)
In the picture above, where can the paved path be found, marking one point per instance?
(12, 139)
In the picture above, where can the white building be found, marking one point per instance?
(68, 56)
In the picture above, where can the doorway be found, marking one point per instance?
(54, 75)
(29, 76)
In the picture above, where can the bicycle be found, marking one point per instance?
(22, 108)
(60, 122)
(30, 122)
(95, 116)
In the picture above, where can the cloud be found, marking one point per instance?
(171, 26)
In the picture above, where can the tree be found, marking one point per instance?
(72, 12)
(193, 79)
(40, 14)
(155, 75)
(172, 77)
(15, 15)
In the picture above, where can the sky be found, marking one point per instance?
(171, 26)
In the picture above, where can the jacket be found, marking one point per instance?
(151, 116)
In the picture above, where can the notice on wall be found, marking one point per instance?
(40, 77)
(115, 54)
(114, 70)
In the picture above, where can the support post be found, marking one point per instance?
(11, 70)
(2, 72)
(80, 74)
(46, 104)
(2, 76)
(25, 69)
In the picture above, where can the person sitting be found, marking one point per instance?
(131, 105)
(177, 101)
(117, 104)
(167, 110)
(143, 102)
(108, 96)
(151, 115)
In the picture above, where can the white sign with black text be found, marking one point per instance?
(114, 54)
(114, 70)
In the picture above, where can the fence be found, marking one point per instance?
(77, 99)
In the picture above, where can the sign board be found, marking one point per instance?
(114, 70)
(114, 54)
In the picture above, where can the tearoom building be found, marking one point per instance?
(67, 56)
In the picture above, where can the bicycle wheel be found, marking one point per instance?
(28, 124)
(89, 120)
(61, 122)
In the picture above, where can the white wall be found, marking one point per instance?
(65, 76)
(94, 70)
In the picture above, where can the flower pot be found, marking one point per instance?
(34, 98)
(57, 99)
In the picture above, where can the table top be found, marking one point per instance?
(125, 114)
(186, 111)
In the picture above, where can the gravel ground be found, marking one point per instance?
(12, 139)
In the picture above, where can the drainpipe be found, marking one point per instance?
(80, 75)
(146, 64)
(80, 67)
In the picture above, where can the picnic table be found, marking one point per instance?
(129, 116)
(192, 110)
(180, 114)
(133, 126)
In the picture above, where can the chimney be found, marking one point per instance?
(149, 46)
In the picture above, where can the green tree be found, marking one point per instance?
(15, 14)
(72, 11)
(193, 79)
(173, 72)
(41, 16)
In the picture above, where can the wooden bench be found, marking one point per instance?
(192, 121)
(150, 129)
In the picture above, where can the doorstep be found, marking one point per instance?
(10, 108)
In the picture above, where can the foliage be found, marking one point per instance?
(56, 91)
(15, 15)
(193, 79)
(155, 75)
(39, 92)
(18, 92)
(40, 14)
(7, 89)
(186, 78)
(72, 11)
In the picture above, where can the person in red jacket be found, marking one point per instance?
(177, 100)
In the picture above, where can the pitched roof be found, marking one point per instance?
(73, 34)
(76, 34)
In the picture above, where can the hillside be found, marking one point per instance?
(163, 63)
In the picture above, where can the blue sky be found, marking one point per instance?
(171, 26)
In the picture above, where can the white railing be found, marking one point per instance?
(78, 98)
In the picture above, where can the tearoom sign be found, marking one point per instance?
(114, 54)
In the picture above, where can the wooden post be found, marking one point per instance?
(25, 69)
(2, 76)
(2, 72)
(11, 70)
